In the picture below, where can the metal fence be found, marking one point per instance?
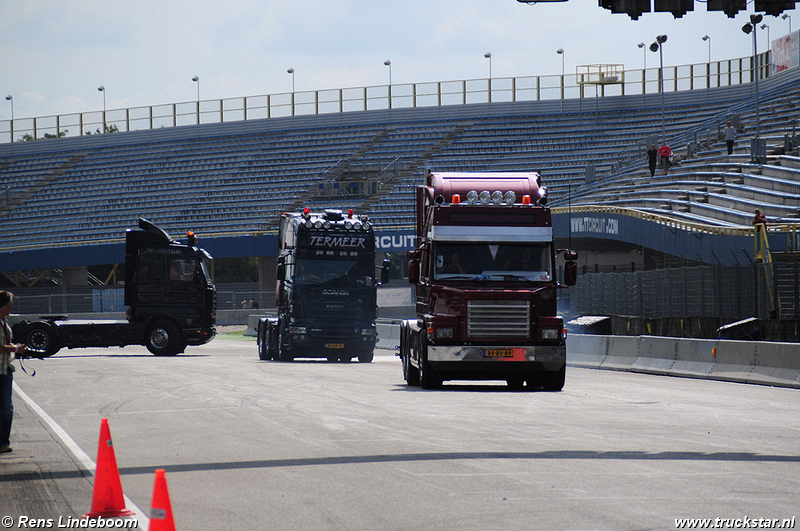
(396, 96)
(699, 291)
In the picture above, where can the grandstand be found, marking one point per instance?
(227, 181)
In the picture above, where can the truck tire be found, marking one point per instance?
(263, 347)
(516, 382)
(41, 337)
(283, 354)
(163, 338)
(428, 377)
(410, 373)
(366, 357)
(554, 381)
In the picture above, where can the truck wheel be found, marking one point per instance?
(263, 338)
(283, 355)
(428, 377)
(366, 357)
(41, 337)
(410, 373)
(263, 348)
(554, 381)
(163, 339)
(516, 382)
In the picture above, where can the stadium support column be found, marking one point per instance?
(266, 278)
(72, 280)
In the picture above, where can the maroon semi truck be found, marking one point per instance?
(484, 267)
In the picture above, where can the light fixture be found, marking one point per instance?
(658, 46)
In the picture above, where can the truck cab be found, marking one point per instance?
(326, 289)
(170, 298)
(484, 267)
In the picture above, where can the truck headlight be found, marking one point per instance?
(297, 329)
(444, 333)
(550, 333)
(367, 331)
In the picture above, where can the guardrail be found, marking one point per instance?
(395, 96)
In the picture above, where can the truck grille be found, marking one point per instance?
(500, 319)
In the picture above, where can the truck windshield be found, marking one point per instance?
(334, 272)
(493, 261)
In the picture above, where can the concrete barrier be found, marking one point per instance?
(621, 352)
(692, 358)
(763, 363)
(586, 351)
(252, 324)
(752, 362)
(388, 335)
(656, 355)
(695, 358)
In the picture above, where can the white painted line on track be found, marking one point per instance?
(83, 459)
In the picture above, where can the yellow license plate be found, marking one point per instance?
(334, 345)
(499, 353)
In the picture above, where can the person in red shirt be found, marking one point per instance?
(664, 153)
(759, 219)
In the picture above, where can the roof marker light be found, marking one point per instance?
(456, 199)
(350, 213)
(526, 199)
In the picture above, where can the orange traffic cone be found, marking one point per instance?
(160, 507)
(107, 498)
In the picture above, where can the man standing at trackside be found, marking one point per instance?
(7, 351)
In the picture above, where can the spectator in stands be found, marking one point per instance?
(665, 154)
(759, 219)
(7, 351)
(253, 304)
(730, 136)
(652, 159)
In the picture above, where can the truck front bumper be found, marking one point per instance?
(497, 353)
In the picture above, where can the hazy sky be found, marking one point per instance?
(55, 53)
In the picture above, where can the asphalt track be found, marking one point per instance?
(312, 445)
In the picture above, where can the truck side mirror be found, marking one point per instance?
(413, 271)
(385, 271)
(280, 271)
(570, 273)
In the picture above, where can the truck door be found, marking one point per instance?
(183, 290)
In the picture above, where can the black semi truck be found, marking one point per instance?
(326, 291)
(170, 298)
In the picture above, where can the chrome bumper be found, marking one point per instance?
(540, 353)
